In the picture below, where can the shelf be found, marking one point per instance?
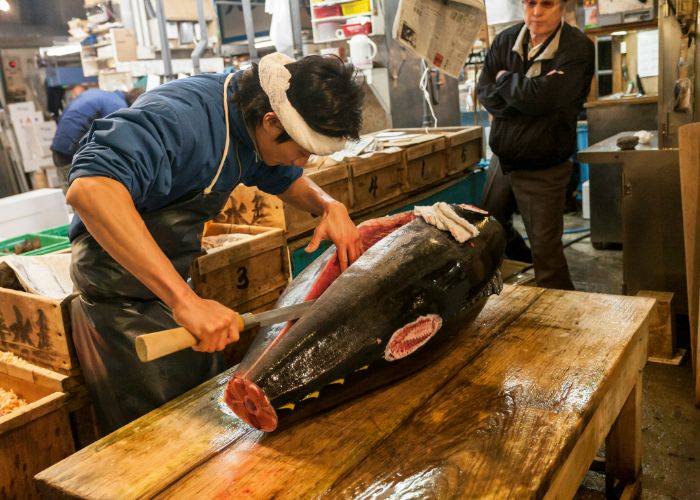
(328, 3)
(344, 39)
(340, 18)
(632, 26)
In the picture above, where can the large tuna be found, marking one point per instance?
(388, 315)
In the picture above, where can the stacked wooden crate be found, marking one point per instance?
(38, 364)
(422, 162)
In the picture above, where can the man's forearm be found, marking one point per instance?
(306, 195)
(107, 210)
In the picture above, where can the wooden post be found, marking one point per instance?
(623, 448)
(662, 329)
(689, 146)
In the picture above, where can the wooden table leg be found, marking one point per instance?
(623, 449)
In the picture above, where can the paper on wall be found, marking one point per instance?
(40, 137)
(441, 33)
(23, 122)
(648, 53)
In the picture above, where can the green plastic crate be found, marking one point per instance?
(57, 231)
(49, 244)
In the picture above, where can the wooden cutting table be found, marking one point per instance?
(519, 407)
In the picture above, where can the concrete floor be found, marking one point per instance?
(671, 422)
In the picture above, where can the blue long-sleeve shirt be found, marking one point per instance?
(79, 115)
(169, 144)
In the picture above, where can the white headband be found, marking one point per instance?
(274, 79)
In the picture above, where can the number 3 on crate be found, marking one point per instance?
(243, 281)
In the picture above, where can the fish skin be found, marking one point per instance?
(351, 322)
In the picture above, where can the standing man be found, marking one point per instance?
(145, 181)
(535, 80)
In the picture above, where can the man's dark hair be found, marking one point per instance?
(322, 89)
(132, 95)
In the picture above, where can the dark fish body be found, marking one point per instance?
(392, 312)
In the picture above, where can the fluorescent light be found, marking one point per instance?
(61, 50)
(4, 6)
(618, 33)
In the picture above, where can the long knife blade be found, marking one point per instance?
(274, 316)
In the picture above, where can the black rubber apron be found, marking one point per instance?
(114, 307)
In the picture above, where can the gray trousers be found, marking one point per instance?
(540, 197)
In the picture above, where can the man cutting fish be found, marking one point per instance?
(144, 182)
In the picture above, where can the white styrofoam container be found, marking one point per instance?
(32, 212)
(586, 200)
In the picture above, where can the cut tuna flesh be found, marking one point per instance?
(371, 232)
(411, 337)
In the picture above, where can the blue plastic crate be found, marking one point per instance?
(582, 143)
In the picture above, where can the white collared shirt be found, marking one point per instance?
(548, 53)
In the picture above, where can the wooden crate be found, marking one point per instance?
(242, 272)
(334, 180)
(425, 162)
(35, 436)
(464, 148)
(262, 303)
(37, 329)
(689, 155)
(376, 179)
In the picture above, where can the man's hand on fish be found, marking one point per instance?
(335, 224)
(215, 325)
(337, 227)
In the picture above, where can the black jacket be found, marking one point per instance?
(534, 123)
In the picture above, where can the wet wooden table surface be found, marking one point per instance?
(518, 408)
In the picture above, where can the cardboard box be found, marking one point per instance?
(123, 44)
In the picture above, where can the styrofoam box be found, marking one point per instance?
(32, 212)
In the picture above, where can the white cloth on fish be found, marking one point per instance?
(274, 80)
(442, 216)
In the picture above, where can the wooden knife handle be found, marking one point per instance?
(150, 346)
